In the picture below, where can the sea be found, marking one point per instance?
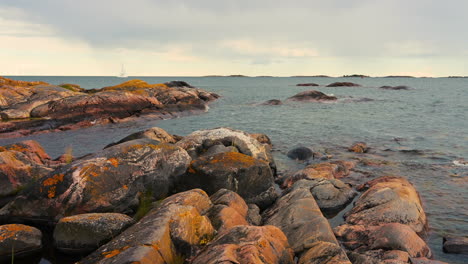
(420, 133)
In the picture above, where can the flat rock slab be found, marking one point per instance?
(457, 245)
(86, 232)
(22, 240)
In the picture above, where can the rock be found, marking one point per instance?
(400, 87)
(307, 84)
(20, 165)
(388, 200)
(312, 96)
(343, 84)
(426, 261)
(458, 245)
(110, 180)
(86, 232)
(262, 138)
(154, 133)
(58, 108)
(199, 141)
(216, 149)
(330, 194)
(358, 147)
(23, 240)
(272, 102)
(327, 170)
(251, 178)
(300, 153)
(393, 236)
(253, 215)
(171, 232)
(73, 87)
(308, 231)
(248, 244)
(229, 210)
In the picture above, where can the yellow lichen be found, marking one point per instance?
(115, 252)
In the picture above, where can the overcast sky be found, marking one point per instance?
(251, 37)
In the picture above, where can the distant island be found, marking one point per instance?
(399, 76)
(356, 76)
(312, 76)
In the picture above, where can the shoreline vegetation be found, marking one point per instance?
(211, 196)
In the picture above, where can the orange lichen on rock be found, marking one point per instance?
(114, 252)
(134, 85)
(114, 162)
(8, 231)
(233, 159)
(53, 180)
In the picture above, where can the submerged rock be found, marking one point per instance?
(21, 240)
(458, 245)
(343, 84)
(307, 84)
(400, 87)
(272, 102)
(312, 96)
(86, 232)
(248, 244)
(110, 180)
(300, 153)
(251, 178)
(170, 233)
(358, 147)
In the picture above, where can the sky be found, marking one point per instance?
(223, 37)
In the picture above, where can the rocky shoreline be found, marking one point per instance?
(213, 196)
(37, 107)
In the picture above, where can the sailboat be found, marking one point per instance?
(122, 74)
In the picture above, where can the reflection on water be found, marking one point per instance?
(418, 132)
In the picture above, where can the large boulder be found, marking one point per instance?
(154, 133)
(312, 96)
(173, 231)
(111, 180)
(388, 200)
(308, 231)
(229, 210)
(86, 232)
(199, 141)
(248, 244)
(326, 170)
(21, 240)
(251, 178)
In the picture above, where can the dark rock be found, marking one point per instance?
(253, 215)
(110, 180)
(272, 102)
(21, 239)
(248, 244)
(426, 261)
(86, 232)
(457, 245)
(400, 87)
(388, 200)
(300, 153)
(171, 232)
(307, 84)
(299, 217)
(343, 84)
(312, 96)
(251, 178)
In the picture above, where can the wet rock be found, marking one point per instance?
(216, 149)
(426, 261)
(199, 141)
(20, 165)
(308, 231)
(154, 133)
(343, 84)
(388, 200)
(300, 153)
(253, 215)
(23, 240)
(248, 244)
(110, 180)
(400, 87)
(312, 96)
(393, 236)
(307, 84)
(171, 232)
(86, 232)
(330, 194)
(458, 245)
(251, 178)
(358, 147)
(262, 138)
(272, 102)
(327, 170)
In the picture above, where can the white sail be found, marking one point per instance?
(122, 74)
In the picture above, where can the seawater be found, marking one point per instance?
(422, 130)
